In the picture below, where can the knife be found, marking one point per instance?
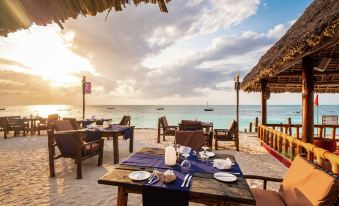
(183, 184)
(188, 181)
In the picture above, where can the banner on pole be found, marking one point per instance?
(88, 88)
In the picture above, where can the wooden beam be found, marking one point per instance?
(263, 102)
(307, 99)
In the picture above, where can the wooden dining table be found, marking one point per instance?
(205, 189)
(115, 136)
(31, 122)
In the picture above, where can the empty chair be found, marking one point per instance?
(190, 125)
(16, 126)
(126, 120)
(71, 146)
(167, 130)
(193, 139)
(304, 184)
(45, 124)
(73, 121)
(63, 125)
(227, 135)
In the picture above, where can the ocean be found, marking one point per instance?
(145, 116)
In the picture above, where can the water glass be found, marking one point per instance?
(185, 165)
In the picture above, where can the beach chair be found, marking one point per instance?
(70, 145)
(227, 135)
(304, 184)
(15, 126)
(45, 124)
(126, 120)
(167, 130)
(192, 139)
(73, 121)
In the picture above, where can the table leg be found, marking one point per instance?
(115, 149)
(32, 127)
(122, 196)
(131, 141)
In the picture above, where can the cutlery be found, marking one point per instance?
(151, 178)
(188, 181)
(183, 184)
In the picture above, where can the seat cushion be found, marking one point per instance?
(304, 184)
(87, 149)
(265, 198)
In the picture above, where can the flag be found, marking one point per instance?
(88, 88)
(316, 101)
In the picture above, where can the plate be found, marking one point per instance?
(139, 175)
(225, 177)
(209, 154)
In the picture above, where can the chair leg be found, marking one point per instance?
(79, 169)
(163, 135)
(101, 154)
(5, 134)
(39, 131)
(216, 144)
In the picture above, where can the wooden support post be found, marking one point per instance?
(250, 129)
(83, 96)
(289, 121)
(333, 133)
(307, 76)
(264, 93)
(256, 124)
(237, 88)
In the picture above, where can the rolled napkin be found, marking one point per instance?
(222, 164)
(167, 176)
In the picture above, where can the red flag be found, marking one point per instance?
(316, 101)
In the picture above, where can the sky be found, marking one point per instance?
(189, 55)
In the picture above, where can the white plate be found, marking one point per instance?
(139, 175)
(225, 177)
(209, 154)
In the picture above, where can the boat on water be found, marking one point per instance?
(110, 108)
(3, 108)
(208, 109)
(160, 108)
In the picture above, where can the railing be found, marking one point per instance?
(289, 128)
(289, 147)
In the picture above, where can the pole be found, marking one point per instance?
(83, 96)
(263, 102)
(237, 88)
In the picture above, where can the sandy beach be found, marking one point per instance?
(24, 173)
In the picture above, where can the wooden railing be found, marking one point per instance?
(289, 147)
(289, 128)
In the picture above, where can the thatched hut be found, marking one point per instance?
(21, 14)
(305, 59)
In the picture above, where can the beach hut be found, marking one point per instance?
(305, 60)
(18, 14)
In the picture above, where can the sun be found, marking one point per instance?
(47, 52)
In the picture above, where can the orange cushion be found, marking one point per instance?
(304, 185)
(265, 198)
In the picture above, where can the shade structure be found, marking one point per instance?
(21, 14)
(314, 34)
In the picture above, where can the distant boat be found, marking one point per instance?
(63, 110)
(3, 108)
(160, 108)
(208, 109)
(110, 108)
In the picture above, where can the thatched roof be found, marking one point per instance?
(316, 34)
(21, 14)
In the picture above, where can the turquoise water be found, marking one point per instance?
(145, 116)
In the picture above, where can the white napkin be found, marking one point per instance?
(222, 164)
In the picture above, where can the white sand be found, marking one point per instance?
(24, 171)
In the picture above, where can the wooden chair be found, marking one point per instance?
(190, 125)
(63, 125)
(192, 139)
(45, 124)
(227, 135)
(126, 120)
(167, 130)
(304, 184)
(73, 121)
(70, 145)
(15, 126)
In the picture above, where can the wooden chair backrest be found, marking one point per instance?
(189, 125)
(163, 122)
(63, 125)
(12, 119)
(233, 126)
(193, 139)
(73, 121)
(3, 122)
(68, 143)
(126, 120)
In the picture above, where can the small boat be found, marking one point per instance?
(208, 109)
(64, 110)
(160, 108)
(3, 108)
(110, 108)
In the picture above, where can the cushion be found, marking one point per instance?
(63, 125)
(265, 198)
(193, 139)
(304, 184)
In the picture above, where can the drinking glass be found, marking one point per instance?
(185, 165)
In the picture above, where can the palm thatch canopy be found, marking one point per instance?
(21, 14)
(314, 34)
